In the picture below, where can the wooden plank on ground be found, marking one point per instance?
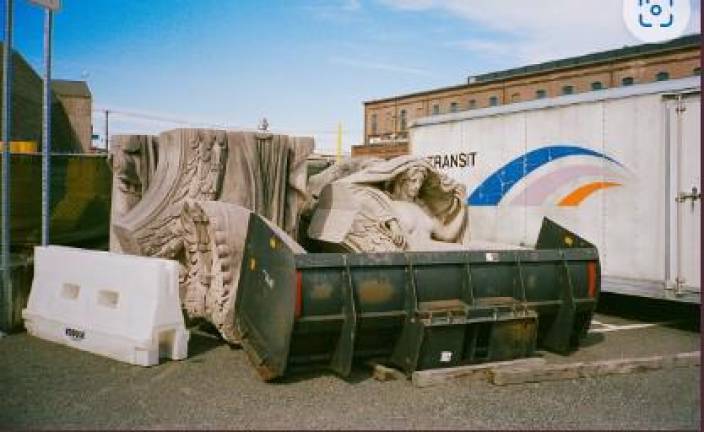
(554, 372)
(433, 377)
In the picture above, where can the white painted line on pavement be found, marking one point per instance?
(611, 328)
(602, 324)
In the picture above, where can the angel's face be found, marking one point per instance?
(412, 183)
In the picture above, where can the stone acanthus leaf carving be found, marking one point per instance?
(196, 209)
(214, 237)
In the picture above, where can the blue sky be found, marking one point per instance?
(305, 65)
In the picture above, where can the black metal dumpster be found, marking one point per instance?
(420, 310)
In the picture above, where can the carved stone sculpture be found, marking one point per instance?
(344, 168)
(192, 208)
(214, 239)
(133, 160)
(403, 204)
(317, 183)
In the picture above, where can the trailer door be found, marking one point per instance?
(685, 145)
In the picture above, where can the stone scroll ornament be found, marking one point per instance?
(403, 204)
(196, 189)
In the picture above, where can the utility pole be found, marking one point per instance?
(6, 137)
(107, 130)
(338, 156)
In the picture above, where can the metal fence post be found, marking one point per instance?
(46, 130)
(6, 137)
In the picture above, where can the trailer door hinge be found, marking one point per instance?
(694, 196)
(679, 285)
(681, 105)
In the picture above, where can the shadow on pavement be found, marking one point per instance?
(591, 339)
(683, 316)
(200, 344)
(359, 373)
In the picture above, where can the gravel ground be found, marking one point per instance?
(51, 386)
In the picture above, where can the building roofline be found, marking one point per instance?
(688, 84)
(421, 93)
(626, 52)
(59, 87)
(16, 55)
(71, 88)
(68, 81)
(688, 41)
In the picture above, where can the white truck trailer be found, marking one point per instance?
(619, 166)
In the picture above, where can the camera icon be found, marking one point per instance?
(658, 13)
(656, 20)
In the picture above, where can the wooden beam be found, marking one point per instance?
(554, 372)
(431, 377)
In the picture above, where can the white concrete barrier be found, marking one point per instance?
(120, 306)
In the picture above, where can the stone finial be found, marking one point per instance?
(263, 125)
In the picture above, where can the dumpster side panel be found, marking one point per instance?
(266, 299)
(419, 310)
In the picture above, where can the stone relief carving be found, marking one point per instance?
(200, 180)
(194, 208)
(317, 183)
(133, 159)
(214, 238)
(403, 204)
(337, 171)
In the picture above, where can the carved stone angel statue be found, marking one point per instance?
(396, 205)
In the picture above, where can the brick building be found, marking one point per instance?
(386, 120)
(71, 103)
(74, 102)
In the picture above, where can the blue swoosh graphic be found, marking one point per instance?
(493, 189)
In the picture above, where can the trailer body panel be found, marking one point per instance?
(608, 164)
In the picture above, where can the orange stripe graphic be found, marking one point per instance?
(580, 194)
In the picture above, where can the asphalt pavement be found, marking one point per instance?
(45, 385)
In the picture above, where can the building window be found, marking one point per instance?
(567, 90)
(697, 71)
(436, 109)
(453, 107)
(597, 85)
(493, 101)
(472, 104)
(374, 124)
(662, 76)
(403, 120)
(626, 81)
(516, 97)
(540, 94)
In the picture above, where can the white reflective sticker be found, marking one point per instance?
(492, 256)
(446, 356)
